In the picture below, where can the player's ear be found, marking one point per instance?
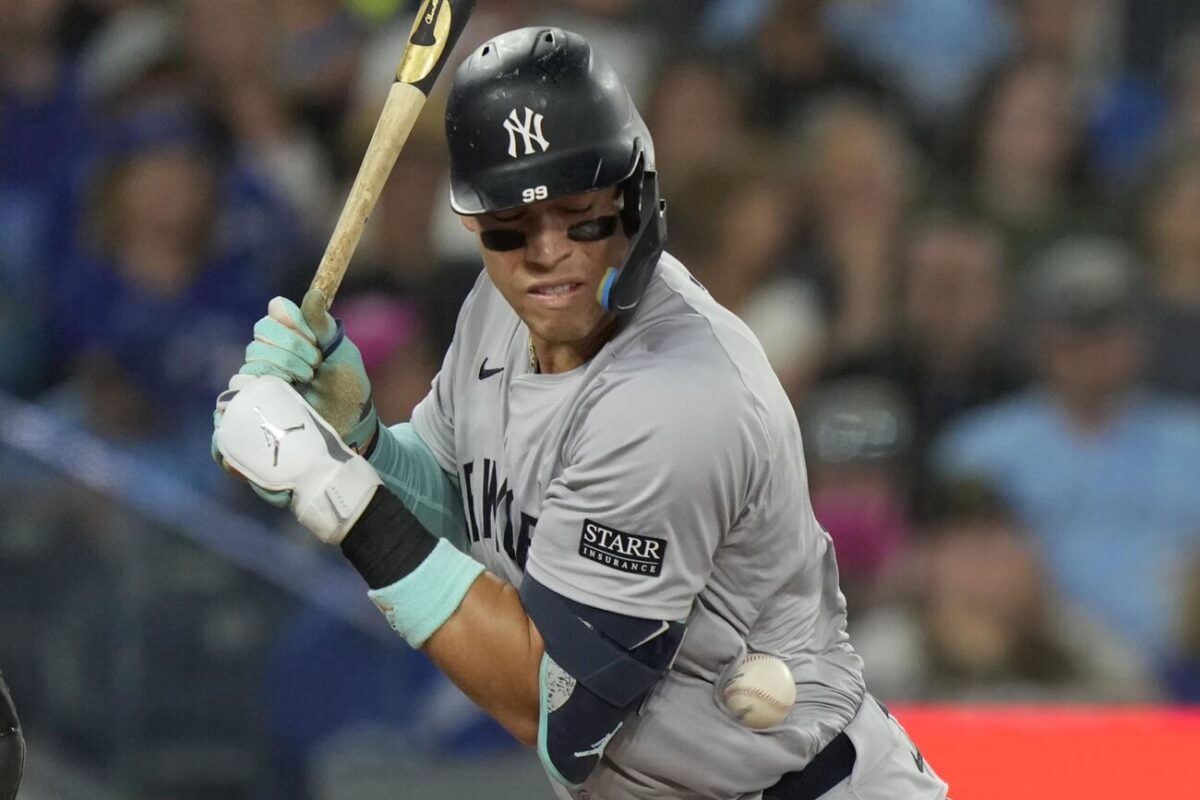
(470, 223)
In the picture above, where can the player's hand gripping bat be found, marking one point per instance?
(435, 30)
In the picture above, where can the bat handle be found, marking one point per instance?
(396, 121)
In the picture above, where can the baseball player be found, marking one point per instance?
(612, 455)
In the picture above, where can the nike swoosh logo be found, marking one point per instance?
(485, 373)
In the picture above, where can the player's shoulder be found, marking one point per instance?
(680, 326)
(685, 354)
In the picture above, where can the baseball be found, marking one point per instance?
(761, 692)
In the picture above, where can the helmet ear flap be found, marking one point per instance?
(632, 194)
(622, 287)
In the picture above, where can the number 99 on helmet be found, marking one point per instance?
(536, 114)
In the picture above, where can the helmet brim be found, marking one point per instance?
(567, 173)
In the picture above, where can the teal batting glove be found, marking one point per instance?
(340, 390)
(307, 347)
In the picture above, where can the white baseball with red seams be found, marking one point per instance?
(761, 692)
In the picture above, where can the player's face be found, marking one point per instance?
(548, 260)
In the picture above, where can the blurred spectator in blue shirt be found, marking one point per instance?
(1102, 472)
(151, 309)
(45, 140)
(934, 52)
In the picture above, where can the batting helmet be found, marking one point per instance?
(535, 114)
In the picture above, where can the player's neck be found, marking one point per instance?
(551, 358)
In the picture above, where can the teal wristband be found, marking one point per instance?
(420, 602)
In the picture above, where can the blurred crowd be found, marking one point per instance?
(967, 233)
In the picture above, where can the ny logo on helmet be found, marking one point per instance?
(530, 131)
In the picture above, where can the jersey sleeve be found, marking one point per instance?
(657, 468)
(408, 467)
(433, 417)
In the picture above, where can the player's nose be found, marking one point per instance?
(546, 246)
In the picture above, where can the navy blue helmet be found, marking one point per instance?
(536, 114)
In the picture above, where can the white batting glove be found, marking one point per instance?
(270, 435)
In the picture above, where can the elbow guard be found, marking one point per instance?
(597, 668)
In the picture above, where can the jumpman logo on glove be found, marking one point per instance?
(274, 434)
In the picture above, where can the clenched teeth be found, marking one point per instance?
(561, 288)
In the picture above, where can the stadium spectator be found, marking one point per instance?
(1022, 164)
(787, 317)
(281, 177)
(1101, 471)
(696, 112)
(45, 141)
(950, 350)
(1084, 33)
(789, 60)
(975, 620)
(735, 220)
(930, 54)
(859, 178)
(858, 434)
(151, 281)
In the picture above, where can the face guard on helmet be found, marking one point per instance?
(534, 114)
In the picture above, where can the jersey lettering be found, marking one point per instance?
(524, 538)
(489, 508)
(494, 491)
(469, 499)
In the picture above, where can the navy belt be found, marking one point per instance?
(828, 768)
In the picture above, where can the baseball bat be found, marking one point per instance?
(435, 30)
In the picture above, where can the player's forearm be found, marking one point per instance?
(492, 651)
(408, 467)
(471, 624)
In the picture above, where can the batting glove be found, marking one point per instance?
(239, 381)
(307, 347)
(277, 441)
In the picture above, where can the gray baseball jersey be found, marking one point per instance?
(663, 479)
